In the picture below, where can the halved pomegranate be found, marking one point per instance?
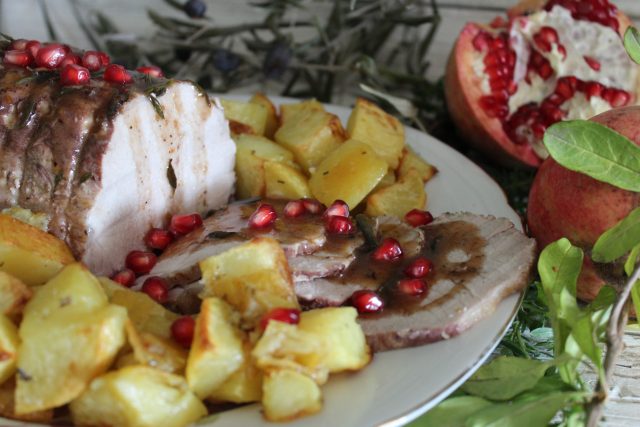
(550, 61)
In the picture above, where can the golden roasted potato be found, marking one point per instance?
(69, 335)
(244, 385)
(384, 133)
(15, 295)
(349, 173)
(284, 182)
(217, 349)
(272, 114)
(137, 396)
(8, 406)
(412, 161)
(288, 394)
(159, 353)
(342, 336)
(245, 117)
(311, 135)
(398, 199)
(289, 110)
(387, 180)
(253, 278)
(285, 346)
(8, 348)
(251, 153)
(29, 253)
(145, 314)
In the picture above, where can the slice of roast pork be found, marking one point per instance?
(108, 161)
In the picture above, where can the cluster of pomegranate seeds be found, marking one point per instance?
(182, 330)
(126, 277)
(184, 224)
(280, 314)
(156, 287)
(264, 216)
(416, 271)
(600, 11)
(140, 262)
(418, 218)
(389, 250)
(367, 301)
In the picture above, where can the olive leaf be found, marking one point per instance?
(619, 239)
(632, 43)
(506, 377)
(529, 412)
(452, 412)
(595, 150)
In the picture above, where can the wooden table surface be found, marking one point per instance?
(26, 18)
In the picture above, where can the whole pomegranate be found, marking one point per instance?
(549, 61)
(563, 203)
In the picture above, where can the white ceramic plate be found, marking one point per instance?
(400, 385)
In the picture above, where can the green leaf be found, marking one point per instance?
(526, 413)
(632, 43)
(505, 377)
(632, 259)
(595, 150)
(635, 297)
(619, 239)
(585, 334)
(452, 412)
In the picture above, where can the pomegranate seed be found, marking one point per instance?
(70, 59)
(419, 268)
(140, 262)
(18, 44)
(417, 217)
(312, 206)
(498, 43)
(337, 208)
(158, 238)
(339, 225)
(545, 71)
(74, 75)
(117, 74)
(593, 89)
(184, 224)
(156, 287)
(280, 314)
(21, 58)
(545, 38)
(124, 277)
(182, 330)
(566, 87)
(538, 129)
(33, 46)
(616, 97)
(263, 217)
(294, 208)
(412, 287)
(91, 59)
(562, 51)
(50, 55)
(481, 41)
(367, 301)
(389, 250)
(151, 70)
(499, 22)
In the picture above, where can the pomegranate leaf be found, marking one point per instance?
(618, 240)
(506, 377)
(453, 412)
(595, 150)
(632, 43)
(630, 264)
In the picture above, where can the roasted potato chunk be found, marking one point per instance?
(412, 161)
(30, 254)
(217, 350)
(272, 115)
(137, 396)
(289, 110)
(8, 406)
(253, 278)
(384, 133)
(15, 295)
(244, 385)
(251, 154)
(145, 314)
(245, 117)
(398, 199)
(8, 348)
(288, 394)
(284, 182)
(159, 353)
(311, 135)
(349, 173)
(341, 335)
(38, 220)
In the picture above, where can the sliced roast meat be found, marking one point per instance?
(108, 161)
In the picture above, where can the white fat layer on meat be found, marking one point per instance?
(136, 193)
(587, 38)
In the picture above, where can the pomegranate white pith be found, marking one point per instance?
(507, 83)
